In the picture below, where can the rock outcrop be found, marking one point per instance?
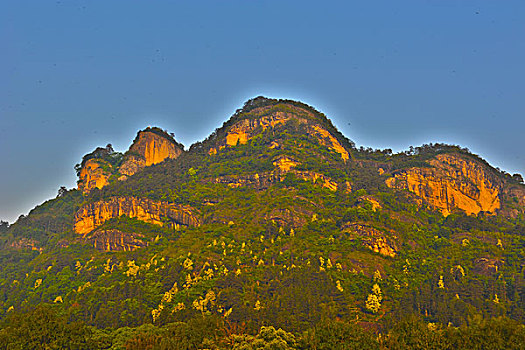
(264, 180)
(25, 243)
(243, 130)
(261, 118)
(114, 240)
(151, 146)
(488, 266)
(285, 163)
(329, 141)
(451, 181)
(92, 215)
(373, 239)
(94, 173)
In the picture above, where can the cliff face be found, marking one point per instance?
(148, 148)
(92, 215)
(114, 240)
(452, 181)
(94, 174)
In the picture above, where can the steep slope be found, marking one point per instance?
(277, 141)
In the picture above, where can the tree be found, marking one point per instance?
(61, 191)
(4, 226)
(268, 338)
(335, 335)
(373, 302)
(518, 178)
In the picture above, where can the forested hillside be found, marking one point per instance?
(276, 230)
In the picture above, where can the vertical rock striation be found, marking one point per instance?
(452, 181)
(151, 146)
(92, 215)
(94, 174)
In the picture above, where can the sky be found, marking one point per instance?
(75, 75)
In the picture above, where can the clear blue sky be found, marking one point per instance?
(79, 74)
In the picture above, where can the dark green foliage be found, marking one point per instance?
(43, 328)
(337, 335)
(48, 220)
(496, 333)
(104, 155)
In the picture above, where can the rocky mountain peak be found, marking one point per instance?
(151, 146)
(279, 118)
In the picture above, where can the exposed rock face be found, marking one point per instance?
(243, 130)
(374, 239)
(452, 181)
(114, 240)
(329, 141)
(92, 215)
(517, 192)
(94, 174)
(369, 199)
(269, 117)
(151, 146)
(487, 266)
(264, 180)
(285, 163)
(25, 243)
(147, 149)
(293, 216)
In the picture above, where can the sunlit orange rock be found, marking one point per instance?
(151, 146)
(375, 204)
(148, 148)
(264, 180)
(285, 163)
(329, 141)
(452, 181)
(270, 116)
(92, 215)
(94, 174)
(373, 239)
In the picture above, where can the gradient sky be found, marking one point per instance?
(75, 75)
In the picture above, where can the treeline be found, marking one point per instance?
(44, 327)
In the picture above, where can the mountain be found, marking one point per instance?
(275, 219)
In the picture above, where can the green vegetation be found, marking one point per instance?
(281, 261)
(45, 327)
